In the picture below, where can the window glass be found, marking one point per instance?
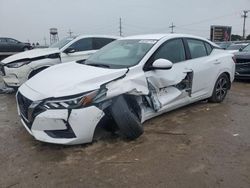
(197, 48)
(12, 41)
(172, 50)
(3, 40)
(247, 48)
(83, 45)
(100, 42)
(121, 53)
(60, 44)
(209, 48)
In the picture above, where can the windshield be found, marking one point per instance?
(235, 47)
(60, 44)
(247, 48)
(121, 53)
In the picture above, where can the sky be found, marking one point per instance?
(30, 20)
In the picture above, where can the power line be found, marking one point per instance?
(211, 19)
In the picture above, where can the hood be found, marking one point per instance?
(69, 79)
(30, 54)
(242, 55)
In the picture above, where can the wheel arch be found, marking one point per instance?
(37, 70)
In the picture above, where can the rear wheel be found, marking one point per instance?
(25, 49)
(220, 89)
(126, 118)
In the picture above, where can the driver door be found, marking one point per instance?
(171, 86)
(79, 50)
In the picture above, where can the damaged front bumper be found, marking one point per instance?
(15, 77)
(61, 126)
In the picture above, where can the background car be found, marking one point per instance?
(224, 45)
(236, 47)
(18, 68)
(13, 45)
(243, 63)
(128, 81)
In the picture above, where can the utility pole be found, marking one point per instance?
(45, 41)
(172, 26)
(244, 16)
(120, 27)
(70, 32)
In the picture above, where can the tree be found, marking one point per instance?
(235, 37)
(248, 37)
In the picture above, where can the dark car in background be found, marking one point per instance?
(13, 45)
(243, 63)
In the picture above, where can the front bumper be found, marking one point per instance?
(15, 77)
(242, 70)
(63, 126)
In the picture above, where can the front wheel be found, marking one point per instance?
(126, 118)
(220, 89)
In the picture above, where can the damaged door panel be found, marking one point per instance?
(167, 86)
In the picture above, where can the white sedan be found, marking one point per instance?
(20, 67)
(127, 82)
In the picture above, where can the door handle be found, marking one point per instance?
(187, 70)
(217, 62)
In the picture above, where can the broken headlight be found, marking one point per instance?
(79, 101)
(17, 64)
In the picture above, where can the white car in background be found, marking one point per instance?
(18, 68)
(128, 81)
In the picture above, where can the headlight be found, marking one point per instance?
(77, 101)
(17, 64)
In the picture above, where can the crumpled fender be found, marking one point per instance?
(134, 84)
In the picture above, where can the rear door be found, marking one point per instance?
(203, 65)
(14, 45)
(3, 45)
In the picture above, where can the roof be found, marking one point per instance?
(160, 36)
(98, 36)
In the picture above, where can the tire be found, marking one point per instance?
(220, 89)
(126, 119)
(25, 49)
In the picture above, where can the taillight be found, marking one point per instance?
(234, 59)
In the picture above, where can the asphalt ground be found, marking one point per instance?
(201, 145)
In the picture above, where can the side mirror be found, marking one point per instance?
(163, 64)
(240, 50)
(69, 50)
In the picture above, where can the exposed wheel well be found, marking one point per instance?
(229, 78)
(34, 72)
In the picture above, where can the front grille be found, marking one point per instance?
(24, 104)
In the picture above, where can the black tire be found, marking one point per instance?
(25, 49)
(33, 73)
(220, 89)
(126, 119)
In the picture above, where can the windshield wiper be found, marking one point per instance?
(98, 65)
